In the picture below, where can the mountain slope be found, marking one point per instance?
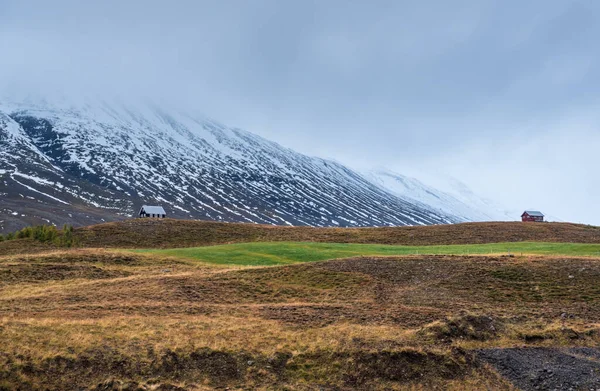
(456, 199)
(96, 160)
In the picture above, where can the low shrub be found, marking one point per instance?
(45, 234)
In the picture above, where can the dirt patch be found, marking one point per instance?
(547, 368)
(31, 273)
(466, 327)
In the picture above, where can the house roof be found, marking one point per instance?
(534, 213)
(156, 210)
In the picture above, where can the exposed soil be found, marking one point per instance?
(547, 368)
(466, 327)
(170, 233)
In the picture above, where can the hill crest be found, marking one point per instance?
(171, 233)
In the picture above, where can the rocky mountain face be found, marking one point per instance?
(96, 161)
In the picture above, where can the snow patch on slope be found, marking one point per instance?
(455, 199)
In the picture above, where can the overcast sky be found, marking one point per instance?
(503, 95)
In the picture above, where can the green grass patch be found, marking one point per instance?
(279, 253)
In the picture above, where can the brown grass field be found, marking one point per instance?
(170, 233)
(93, 319)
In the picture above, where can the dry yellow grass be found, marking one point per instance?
(110, 320)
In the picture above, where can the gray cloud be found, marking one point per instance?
(493, 92)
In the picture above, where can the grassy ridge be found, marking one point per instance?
(169, 233)
(174, 234)
(278, 253)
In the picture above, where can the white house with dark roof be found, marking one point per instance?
(152, 211)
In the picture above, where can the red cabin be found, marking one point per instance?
(532, 216)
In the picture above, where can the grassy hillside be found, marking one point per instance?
(95, 320)
(191, 317)
(169, 233)
(145, 233)
(280, 253)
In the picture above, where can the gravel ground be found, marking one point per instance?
(547, 368)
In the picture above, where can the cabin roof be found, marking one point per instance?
(156, 210)
(534, 213)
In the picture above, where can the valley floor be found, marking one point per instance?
(122, 320)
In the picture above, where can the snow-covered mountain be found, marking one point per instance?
(89, 160)
(449, 196)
